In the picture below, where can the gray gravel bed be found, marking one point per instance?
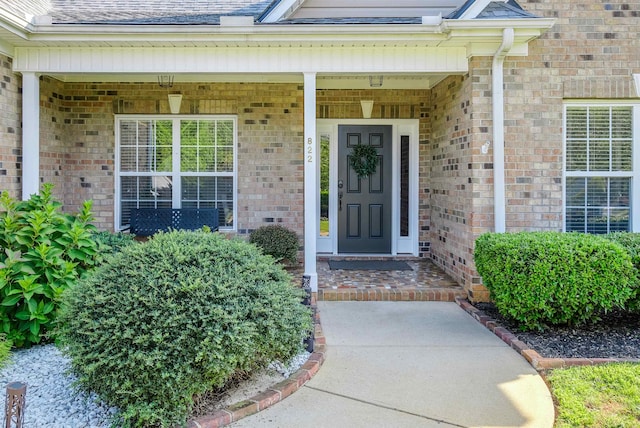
(617, 335)
(53, 401)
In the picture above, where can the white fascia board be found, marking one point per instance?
(14, 24)
(298, 35)
(498, 25)
(155, 32)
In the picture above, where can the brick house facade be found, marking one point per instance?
(565, 53)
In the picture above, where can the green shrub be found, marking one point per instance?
(277, 241)
(542, 278)
(112, 243)
(44, 252)
(631, 243)
(178, 315)
(5, 351)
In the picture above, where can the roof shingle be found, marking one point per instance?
(148, 12)
(206, 12)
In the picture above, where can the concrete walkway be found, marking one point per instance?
(412, 364)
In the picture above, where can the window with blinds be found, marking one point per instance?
(598, 168)
(185, 162)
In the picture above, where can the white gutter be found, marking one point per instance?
(497, 91)
(492, 27)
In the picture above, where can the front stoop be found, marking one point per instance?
(425, 282)
(537, 361)
(273, 395)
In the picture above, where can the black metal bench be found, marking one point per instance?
(147, 221)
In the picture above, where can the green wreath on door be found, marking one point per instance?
(364, 160)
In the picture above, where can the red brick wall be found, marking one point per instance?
(590, 53)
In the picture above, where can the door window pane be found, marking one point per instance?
(404, 185)
(324, 184)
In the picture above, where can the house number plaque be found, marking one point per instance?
(309, 150)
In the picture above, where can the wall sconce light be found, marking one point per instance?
(174, 103)
(165, 80)
(485, 147)
(367, 108)
(636, 79)
(375, 81)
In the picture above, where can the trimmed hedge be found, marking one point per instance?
(111, 243)
(631, 243)
(550, 278)
(176, 316)
(277, 241)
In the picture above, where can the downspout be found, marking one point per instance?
(497, 85)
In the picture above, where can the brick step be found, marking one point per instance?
(404, 294)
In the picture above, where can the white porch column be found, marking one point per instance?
(497, 91)
(310, 180)
(30, 134)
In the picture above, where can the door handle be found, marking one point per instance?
(340, 201)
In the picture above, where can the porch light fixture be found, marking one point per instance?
(376, 81)
(636, 79)
(165, 80)
(174, 103)
(367, 108)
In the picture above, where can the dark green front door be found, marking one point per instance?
(364, 203)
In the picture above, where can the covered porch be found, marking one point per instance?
(267, 86)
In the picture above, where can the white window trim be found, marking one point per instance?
(176, 160)
(634, 174)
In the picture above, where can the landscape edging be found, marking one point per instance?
(537, 361)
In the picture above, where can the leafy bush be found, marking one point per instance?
(631, 243)
(112, 243)
(539, 278)
(44, 252)
(277, 241)
(178, 315)
(5, 351)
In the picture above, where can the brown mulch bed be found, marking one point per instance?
(617, 335)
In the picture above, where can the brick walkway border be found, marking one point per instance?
(537, 361)
(274, 394)
(390, 294)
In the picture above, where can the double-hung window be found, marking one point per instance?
(601, 167)
(176, 162)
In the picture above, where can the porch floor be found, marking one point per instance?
(424, 282)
